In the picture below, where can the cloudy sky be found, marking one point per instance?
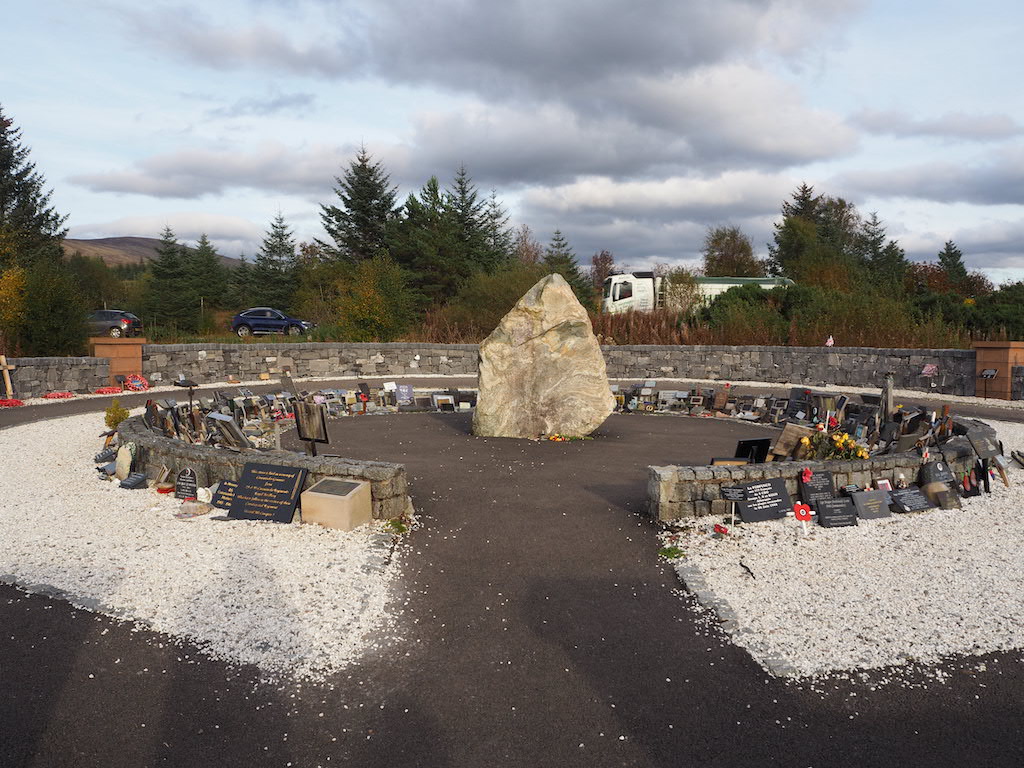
(629, 126)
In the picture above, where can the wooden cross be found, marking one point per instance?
(6, 368)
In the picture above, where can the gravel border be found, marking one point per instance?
(293, 600)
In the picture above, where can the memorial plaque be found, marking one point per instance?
(983, 444)
(790, 438)
(818, 487)
(836, 513)
(754, 451)
(851, 489)
(733, 492)
(765, 500)
(871, 504)
(721, 398)
(186, 484)
(267, 492)
(935, 472)
(405, 394)
(908, 500)
(225, 494)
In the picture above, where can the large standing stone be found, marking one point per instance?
(541, 370)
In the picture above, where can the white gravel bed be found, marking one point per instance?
(298, 600)
(909, 588)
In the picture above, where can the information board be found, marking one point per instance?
(267, 492)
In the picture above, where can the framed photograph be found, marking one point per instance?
(884, 484)
(311, 421)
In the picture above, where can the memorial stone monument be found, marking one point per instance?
(541, 369)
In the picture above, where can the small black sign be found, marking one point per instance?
(267, 492)
(186, 484)
(935, 472)
(733, 492)
(818, 487)
(851, 489)
(225, 494)
(990, 373)
(908, 500)
(765, 500)
(836, 513)
(872, 504)
(984, 445)
(754, 451)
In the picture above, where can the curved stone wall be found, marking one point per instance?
(389, 487)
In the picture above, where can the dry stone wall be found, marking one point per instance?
(215, 362)
(811, 366)
(36, 376)
(388, 482)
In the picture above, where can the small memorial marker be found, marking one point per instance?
(754, 451)
(765, 500)
(186, 484)
(802, 512)
(733, 493)
(836, 513)
(267, 492)
(983, 444)
(908, 500)
(224, 495)
(816, 487)
(871, 505)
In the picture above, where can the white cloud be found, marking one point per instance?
(951, 125)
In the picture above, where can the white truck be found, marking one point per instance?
(644, 291)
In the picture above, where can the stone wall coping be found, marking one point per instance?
(883, 351)
(305, 345)
(27, 361)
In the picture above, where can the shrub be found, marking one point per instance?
(115, 414)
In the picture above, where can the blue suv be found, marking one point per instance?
(260, 320)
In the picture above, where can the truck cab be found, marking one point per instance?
(631, 291)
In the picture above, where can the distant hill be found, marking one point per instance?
(122, 250)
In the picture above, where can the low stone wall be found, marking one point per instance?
(679, 492)
(811, 366)
(215, 362)
(36, 376)
(389, 487)
(675, 492)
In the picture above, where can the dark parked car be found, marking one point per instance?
(114, 323)
(260, 320)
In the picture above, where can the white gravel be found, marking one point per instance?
(297, 600)
(909, 588)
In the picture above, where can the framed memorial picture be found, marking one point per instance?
(311, 421)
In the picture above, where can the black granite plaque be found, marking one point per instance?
(817, 488)
(836, 513)
(871, 504)
(186, 484)
(267, 492)
(225, 494)
(764, 500)
(935, 472)
(908, 500)
(733, 492)
(984, 445)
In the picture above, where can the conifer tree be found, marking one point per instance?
(274, 273)
(241, 291)
(467, 213)
(952, 262)
(497, 235)
(559, 257)
(207, 280)
(170, 300)
(358, 227)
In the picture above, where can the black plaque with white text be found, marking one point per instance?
(765, 500)
(908, 500)
(267, 492)
(225, 494)
(818, 487)
(186, 485)
(836, 513)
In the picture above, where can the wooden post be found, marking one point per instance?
(6, 368)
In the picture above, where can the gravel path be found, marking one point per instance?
(296, 599)
(917, 587)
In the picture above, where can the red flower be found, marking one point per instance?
(806, 475)
(721, 529)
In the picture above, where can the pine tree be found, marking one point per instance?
(559, 257)
(728, 252)
(170, 301)
(467, 212)
(886, 262)
(497, 235)
(952, 262)
(32, 225)
(274, 273)
(207, 280)
(241, 289)
(41, 312)
(359, 226)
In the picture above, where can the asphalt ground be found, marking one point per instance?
(538, 628)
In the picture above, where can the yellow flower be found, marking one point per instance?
(805, 440)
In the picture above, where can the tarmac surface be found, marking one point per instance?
(539, 628)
